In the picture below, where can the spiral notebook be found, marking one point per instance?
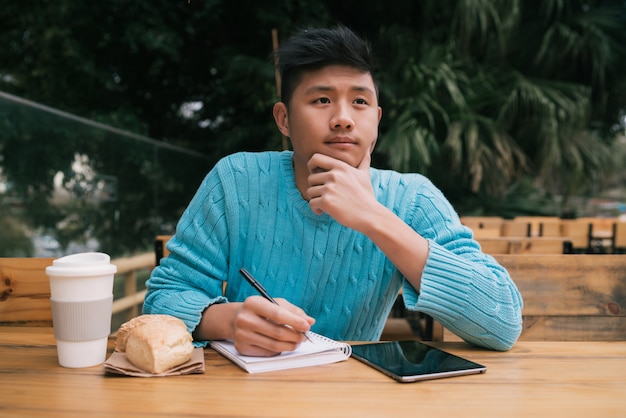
(320, 350)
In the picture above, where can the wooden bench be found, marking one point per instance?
(619, 237)
(512, 228)
(523, 245)
(25, 292)
(586, 235)
(536, 223)
(484, 226)
(571, 297)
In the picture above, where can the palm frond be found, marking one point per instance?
(476, 145)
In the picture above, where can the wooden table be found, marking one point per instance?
(533, 379)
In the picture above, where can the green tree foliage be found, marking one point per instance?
(505, 90)
(491, 99)
(135, 64)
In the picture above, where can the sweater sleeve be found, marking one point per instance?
(465, 290)
(191, 277)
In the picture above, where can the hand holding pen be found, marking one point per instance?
(259, 288)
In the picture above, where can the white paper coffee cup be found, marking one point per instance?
(81, 296)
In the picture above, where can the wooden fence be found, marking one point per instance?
(25, 289)
(128, 269)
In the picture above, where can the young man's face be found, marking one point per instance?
(333, 111)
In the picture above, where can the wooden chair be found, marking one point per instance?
(523, 245)
(572, 297)
(550, 229)
(495, 232)
(602, 225)
(484, 226)
(578, 234)
(535, 222)
(619, 238)
(160, 249)
(476, 222)
(513, 228)
(537, 245)
(25, 292)
(496, 245)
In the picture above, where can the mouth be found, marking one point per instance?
(341, 141)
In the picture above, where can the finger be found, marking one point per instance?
(318, 163)
(252, 329)
(256, 344)
(295, 321)
(278, 314)
(295, 309)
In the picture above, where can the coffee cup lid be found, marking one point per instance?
(90, 263)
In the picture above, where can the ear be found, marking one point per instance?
(281, 118)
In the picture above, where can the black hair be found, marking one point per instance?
(313, 49)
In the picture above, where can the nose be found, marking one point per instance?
(342, 119)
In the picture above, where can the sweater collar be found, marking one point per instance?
(293, 194)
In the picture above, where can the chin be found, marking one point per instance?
(346, 157)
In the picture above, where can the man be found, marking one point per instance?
(332, 237)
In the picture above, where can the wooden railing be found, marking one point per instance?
(25, 289)
(127, 270)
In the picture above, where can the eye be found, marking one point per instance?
(360, 101)
(323, 100)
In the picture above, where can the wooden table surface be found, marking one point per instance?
(542, 379)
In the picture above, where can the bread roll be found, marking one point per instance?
(156, 343)
(128, 327)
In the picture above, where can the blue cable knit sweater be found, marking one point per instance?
(249, 213)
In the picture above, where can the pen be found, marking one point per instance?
(259, 288)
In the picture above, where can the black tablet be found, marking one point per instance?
(411, 361)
